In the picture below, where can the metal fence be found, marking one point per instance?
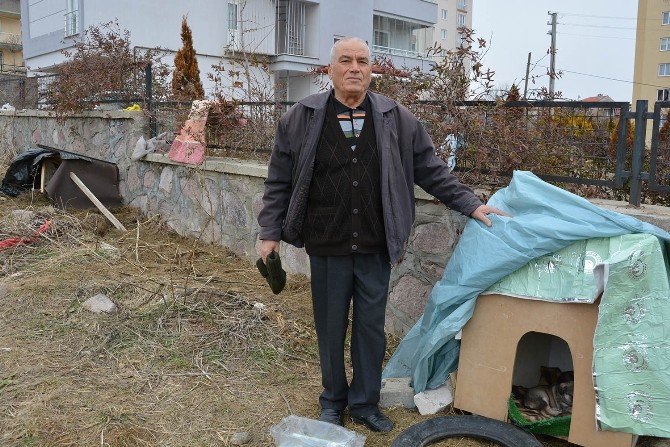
(601, 145)
(20, 92)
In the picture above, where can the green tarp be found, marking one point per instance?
(631, 359)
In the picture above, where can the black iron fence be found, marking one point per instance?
(602, 145)
(18, 91)
(576, 143)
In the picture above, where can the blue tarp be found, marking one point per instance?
(545, 219)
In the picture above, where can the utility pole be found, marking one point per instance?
(552, 50)
(525, 87)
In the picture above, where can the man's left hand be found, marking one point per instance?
(481, 212)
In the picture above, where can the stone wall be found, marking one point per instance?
(219, 201)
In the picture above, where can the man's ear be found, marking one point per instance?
(330, 71)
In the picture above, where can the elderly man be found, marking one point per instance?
(340, 182)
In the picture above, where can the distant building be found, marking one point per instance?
(452, 15)
(11, 54)
(604, 112)
(652, 52)
(598, 98)
(297, 35)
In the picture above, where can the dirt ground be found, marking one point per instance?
(199, 350)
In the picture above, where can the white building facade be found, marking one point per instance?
(452, 15)
(296, 34)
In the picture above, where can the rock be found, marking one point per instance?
(165, 183)
(240, 438)
(432, 401)
(397, 392)
(433, 238)
(409, 296)
(100, 303)
(109, 251)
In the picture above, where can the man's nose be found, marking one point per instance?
(355, 66)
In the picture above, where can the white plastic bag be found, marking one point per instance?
(295, 431)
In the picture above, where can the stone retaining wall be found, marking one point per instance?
(219, 201)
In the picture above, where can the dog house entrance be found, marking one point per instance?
(542, 385)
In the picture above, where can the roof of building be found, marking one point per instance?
(598, 98)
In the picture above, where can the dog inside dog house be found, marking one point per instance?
(506, 342)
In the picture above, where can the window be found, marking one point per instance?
(665, 43)
(462, 4)
(459, 40)
(381, 38)
(666, 18)
(443, 34)
(664, 69)
(72, 18)
(232, 16)
(663, 94)
(443, 14)
(461, 20)
(233, 37)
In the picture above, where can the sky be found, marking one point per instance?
(595, 40)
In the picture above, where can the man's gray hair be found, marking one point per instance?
(333, 49)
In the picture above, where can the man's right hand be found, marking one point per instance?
(268, 247)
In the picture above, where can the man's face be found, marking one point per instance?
(351, 69)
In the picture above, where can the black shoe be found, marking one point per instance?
(375, 422)
(332, 416)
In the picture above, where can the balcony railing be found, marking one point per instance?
(12, 69)
(397, 52)
(292, 28)
(10, 40)
(72, 23)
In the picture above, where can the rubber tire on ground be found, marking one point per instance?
(433, 430)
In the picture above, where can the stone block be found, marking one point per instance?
(397, 392)
(165, 183)
(149, 179)
(409, 296)
(433, 238)
(433, 401)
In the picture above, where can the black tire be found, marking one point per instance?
(433, 430)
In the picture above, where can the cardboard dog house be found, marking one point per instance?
(486, 368)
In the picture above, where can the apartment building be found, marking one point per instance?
(296, 34)
(652, 52)
(452, 15)
(11, 55)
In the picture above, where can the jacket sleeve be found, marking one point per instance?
(277, 187)
(433, 176)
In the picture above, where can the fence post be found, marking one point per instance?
(148, 95)
(638, 151)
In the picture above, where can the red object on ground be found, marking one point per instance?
(14, 241)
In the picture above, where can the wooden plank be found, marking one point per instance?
(43, 174)
(97, 202)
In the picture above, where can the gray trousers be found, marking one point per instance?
(335, 281)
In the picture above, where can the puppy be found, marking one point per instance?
(549, 400)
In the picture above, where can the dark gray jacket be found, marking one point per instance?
(407, 156)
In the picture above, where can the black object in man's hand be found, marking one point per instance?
(272, 272)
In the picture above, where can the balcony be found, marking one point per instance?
(395, 37)
(11, 8)
(9, 69)
(293, 28)
(10, 41)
